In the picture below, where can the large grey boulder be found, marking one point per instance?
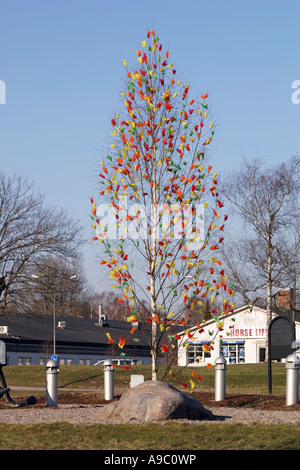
(155, 401)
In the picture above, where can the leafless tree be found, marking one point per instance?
(266, 200)
(107, 303)
(29, 230)
(290, 262)
(58, 281)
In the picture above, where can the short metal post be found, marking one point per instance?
(220, 378)
(292, 379)
(52, 383)
(108, 380)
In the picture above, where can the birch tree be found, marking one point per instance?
(267, 200)
(290, 262)
(159, 216)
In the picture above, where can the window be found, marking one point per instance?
(198, 353)
(20, 361)
(233, 352)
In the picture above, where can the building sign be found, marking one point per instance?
(281, 334)
(239, 333)
(252, 332)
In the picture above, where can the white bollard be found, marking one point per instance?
(52, 383)
(108, 380)
(292, 379)
(220, 378)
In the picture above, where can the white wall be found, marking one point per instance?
(242, 325)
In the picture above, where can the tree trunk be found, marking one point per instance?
(152, 274)
(293, 299)
(154, 325)
(269, 289)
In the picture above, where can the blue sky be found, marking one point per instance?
(62, 65)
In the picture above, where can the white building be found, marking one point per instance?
(240, 336)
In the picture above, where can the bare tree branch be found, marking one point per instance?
(29, 230)
(267, 199)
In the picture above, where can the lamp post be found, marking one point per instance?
(73, 277)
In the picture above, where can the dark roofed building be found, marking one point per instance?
(29, 340)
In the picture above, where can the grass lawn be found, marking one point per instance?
(170, 436)
(240, 378)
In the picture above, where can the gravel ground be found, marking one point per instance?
(87, 408)
(91, 414)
